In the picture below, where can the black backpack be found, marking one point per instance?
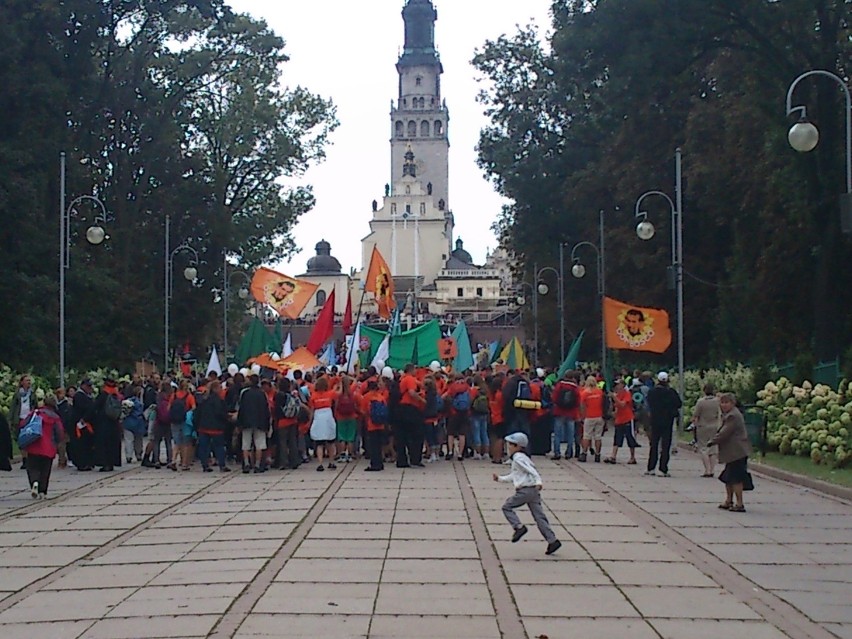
(177, 411)
(567, 397)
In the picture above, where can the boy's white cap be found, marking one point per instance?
(663, 376)
(519, 439)
(387, 372)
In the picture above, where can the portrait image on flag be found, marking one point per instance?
(636, 328)
(287, 295)
(380, 284)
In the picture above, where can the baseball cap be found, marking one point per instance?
(662, 376)
(519, 439)
(636, 382)
(387, 372)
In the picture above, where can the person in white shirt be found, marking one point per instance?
(527, 482)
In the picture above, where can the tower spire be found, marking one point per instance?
(420, 17)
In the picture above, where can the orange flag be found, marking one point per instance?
(287, 295)
(380, 283)
(636, 328)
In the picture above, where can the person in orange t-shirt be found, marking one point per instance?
(592, 409)
(408, 437)
(376, 432)
(496, 427)
(623, 400)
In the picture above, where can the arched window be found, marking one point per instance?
(439, 127)
(321, 297)
(412, 129)
(424, 129)
(400, 128)
(418, 81)
(422, 103)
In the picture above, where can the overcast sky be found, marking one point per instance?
(347, 51)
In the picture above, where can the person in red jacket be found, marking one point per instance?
(566, 413)
(40, 454)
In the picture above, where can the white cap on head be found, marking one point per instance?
(387, 372)
(255, 369)
(233, 369)
(662, 376)
(519, 439)
(435, 366)
(539, 372)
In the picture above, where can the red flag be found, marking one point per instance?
(324, 328)
(347, 314)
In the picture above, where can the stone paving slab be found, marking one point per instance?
(396, 554)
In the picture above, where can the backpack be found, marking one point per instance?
(524, 391)
(638, 400)
(546, 401)
(31, 431)
(432, 399)
(480, 404)
(346, 406)
(287, 407)
(112, 406)
(567, 397)
(461, 401)
(379, 412)
(163, 411)
(177, 411)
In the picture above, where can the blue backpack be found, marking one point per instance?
(379, 413)
(31, 431)
(461, 401)
(524, 391)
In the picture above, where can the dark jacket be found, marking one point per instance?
(5, 444)
(83, 408)
(663, 404)
(149, 396)
(254, 409)
(211, 415)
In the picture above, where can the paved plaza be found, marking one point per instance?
(419, 553)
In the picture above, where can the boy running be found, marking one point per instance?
(527, 484)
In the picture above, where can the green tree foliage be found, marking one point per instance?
(588, 119)
(166, 107)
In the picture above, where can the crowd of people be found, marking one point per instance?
(408, 418)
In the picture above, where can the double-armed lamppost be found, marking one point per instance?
(579, 271)
(645, 230)
(243, 294)
(190, 273)
(95, 235)
(804, 136)
(541, 288)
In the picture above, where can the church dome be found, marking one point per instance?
(323, 263)
(461, 254)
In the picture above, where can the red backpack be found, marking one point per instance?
(346, 405)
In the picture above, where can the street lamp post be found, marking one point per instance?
(804, 136)
(645, 230)
(541, 288)
(95, 235)
(226, 292)
(190, 273)
(521, 301)
(579, 271)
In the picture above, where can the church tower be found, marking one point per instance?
(419, 118)
(413, 226)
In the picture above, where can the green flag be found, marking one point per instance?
(573, 353)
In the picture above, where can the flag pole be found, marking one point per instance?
(357, 321)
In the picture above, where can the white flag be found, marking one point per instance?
(352, 362)
(214, 364)
(287, 348)
(382, 355)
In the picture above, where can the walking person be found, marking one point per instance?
(707, 418)
(479, 413)
(253, 420)
(592, 400)
(663, 406)
(288, 405)
(458, 400)
(23, 403)
(40, 454)
(375, 409)
(734, 449)
(624, 423)
(211, 420)
(108, 427)
(83, 417)
(134, 424)
(528, 485)
(496, 425)
(183, 402)
(409, 436)
(63, 409)
(346, 413)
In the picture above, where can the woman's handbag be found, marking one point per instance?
(748, 483)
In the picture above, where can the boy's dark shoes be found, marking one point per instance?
(520, 532)
(552, 547)
(582, 457)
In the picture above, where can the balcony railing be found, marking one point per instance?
(472, 273)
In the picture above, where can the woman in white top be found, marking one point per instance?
(707, 417)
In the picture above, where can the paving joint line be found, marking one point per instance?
(507, 614)
(774, 610)
(75, 492)
(387, 552)
(100, 551)
(239, 610)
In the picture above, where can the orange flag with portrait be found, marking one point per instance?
(287, 295)
(636, 328)
(380, 283)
